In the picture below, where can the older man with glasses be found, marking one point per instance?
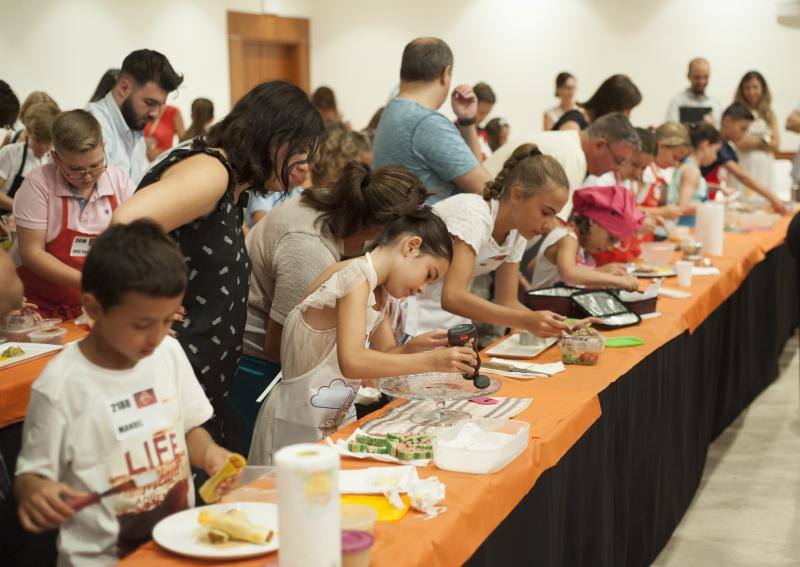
(60, 208)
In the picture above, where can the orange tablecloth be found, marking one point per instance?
(15, 382)
(564, 407)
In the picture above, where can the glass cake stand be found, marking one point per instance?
(438, 388)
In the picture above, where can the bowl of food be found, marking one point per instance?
(581, 347)
(658, 253)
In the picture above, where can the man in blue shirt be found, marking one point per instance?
(735, 121)
(412, 133)
(141, 90)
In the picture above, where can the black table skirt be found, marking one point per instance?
(619, 493)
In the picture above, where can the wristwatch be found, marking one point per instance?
(466, 121)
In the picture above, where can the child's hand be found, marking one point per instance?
(628, 282)
(546, 324)
(453, 359)
(585, 323)
(670, 212)
(41, 506)
(614, 268)
(178, 317)
(216, 457)
(428, 341)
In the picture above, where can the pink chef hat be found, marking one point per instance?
(612, 207)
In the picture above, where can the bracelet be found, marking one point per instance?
(466, 121)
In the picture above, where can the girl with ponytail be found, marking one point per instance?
(303, 237)
(490, 233)
(338, 335)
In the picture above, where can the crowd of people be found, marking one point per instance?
(280, 249)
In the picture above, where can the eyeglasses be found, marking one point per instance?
(77, 174)
(617, 158)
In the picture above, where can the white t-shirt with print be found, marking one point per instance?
(93, 428)
(470, 218)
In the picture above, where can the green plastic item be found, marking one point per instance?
(622, 342)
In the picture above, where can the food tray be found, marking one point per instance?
(555, 299)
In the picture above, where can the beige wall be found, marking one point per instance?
(516, 45)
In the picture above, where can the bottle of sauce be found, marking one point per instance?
(467, 335)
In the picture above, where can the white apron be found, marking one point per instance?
(311, 406)
(425, 311)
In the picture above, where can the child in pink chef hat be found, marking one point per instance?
(601, 217)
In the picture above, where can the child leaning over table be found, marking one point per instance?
(601, 217)
(121, 402)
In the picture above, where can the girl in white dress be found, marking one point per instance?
(490, 233)
(338, 336)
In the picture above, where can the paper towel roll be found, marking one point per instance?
(309, 514)
(710, 226)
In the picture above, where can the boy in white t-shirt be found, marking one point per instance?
(121, 402)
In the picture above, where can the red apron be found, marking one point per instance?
(654, 192)
(69, 247)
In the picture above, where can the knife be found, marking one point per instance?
(511, 368)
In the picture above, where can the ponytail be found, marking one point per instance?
(361, 198)
(528, 167)
(426, 224)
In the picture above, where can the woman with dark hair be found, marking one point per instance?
(615, 94)
(202, 116)
(565, 91)
(194, 193)
(104, 86)
(763, 135)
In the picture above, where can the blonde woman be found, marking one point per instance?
(756, 148)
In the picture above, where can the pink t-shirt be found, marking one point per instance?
(38, 203)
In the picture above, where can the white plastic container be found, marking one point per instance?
(481, 461)
(53, 336)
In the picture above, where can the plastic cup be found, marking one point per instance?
(684, 270)
(358, 518)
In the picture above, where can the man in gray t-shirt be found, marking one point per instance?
(412, 133)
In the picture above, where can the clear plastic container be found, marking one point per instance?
(356, 548)
(584, 350)
(45, 324)
(359, 518)
(658, 253)
(49, 336)
(481, 461)
(21, 336)
(21, 320)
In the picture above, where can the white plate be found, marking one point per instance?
(659, 271)
(510, 348)
(32, 350)
(178, 532)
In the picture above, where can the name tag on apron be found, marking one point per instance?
(136, 413)
(80, 246)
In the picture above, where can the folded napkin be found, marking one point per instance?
(673, 293)
(705, 271)
(535, 369)
(398, 420)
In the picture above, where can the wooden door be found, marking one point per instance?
(263, 47)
